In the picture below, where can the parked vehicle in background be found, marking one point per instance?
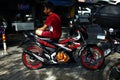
(115, 2)
(112, 70)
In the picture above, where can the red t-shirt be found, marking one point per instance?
(54, 21)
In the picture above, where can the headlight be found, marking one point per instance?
(101, 37)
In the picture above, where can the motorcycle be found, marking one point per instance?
(112, 70)
(43, 51)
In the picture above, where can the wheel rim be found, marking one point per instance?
(31, 62)
(92, 62)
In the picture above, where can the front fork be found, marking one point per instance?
(89, 53)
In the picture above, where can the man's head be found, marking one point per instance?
(48, 8)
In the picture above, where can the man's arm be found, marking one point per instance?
(43, 27)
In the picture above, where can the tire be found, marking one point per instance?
(112, 70)
(31, 62)
(90, 62)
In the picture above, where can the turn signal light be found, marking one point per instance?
(3, 37)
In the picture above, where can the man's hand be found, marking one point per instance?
(40, 30)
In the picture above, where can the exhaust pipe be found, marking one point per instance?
(34, 55)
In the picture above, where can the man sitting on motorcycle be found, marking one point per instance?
(52, 27)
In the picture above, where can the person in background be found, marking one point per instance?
(3, 25)
(52, 27)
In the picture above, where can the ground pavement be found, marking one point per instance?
(12, 68)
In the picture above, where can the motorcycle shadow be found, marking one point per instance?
(71, 64)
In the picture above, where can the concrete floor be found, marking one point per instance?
(12, 68)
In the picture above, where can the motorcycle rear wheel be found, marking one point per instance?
(31, 62)
(92, 62)
(112, 70)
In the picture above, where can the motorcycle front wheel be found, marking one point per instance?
(29, 61)
(112, 70)
(92, 59)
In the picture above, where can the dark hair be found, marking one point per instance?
(49, 5)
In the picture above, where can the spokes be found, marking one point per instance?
(30, 61)
(93, 57)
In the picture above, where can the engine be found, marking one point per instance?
(62, 56)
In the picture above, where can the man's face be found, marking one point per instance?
(46, 11)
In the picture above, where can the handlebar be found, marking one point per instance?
(78, 36)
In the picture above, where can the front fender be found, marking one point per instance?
(84, 47)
